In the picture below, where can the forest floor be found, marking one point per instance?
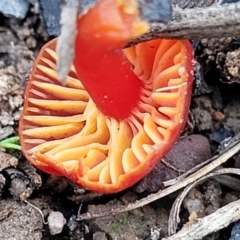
(214, 116)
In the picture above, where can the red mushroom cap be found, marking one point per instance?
(120, 112)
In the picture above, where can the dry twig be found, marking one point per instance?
(202, 227)
(214, 21)
(174, 213)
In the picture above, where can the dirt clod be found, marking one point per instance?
(7, 160)
(232, 66)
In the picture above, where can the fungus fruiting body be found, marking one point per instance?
(120, 111)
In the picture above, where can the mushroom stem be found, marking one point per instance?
(100, 62)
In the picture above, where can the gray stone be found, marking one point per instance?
(14, 8)
(235, 234)
(56, 222)
(51, 10)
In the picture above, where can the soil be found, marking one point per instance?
(28, 196)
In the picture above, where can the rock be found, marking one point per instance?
(6, 161)
(220, 134)
(14, 8)
(85, 4)
(232, 66)
(155, 233)
(235, 234)
(20, 190)
(194, 202)
(51, 10)
(20, 185)
(185, 154)
(156, 11)
(218, 116)
(56, 222)
(21, 181)
(6, 132)
(72, 223)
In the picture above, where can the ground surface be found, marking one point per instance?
(215, 115)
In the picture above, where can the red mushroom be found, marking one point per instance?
(120, 111)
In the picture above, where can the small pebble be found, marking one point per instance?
(6, 132)
(14, 8)
(72, 223)
(219, 135)
(155, 233)
(229, 1)
(235, 234)
(194, 203)
(155, 10)
(85, 4)
(19, 189)
(193, 216)
(56, 222)
(218, 116)
(51, 10)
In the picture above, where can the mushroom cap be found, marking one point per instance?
(66, 130)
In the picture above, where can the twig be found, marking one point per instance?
(196, 23)
(222, 158)
(39, 210)
(190, 171)
(175, 210)
(80, 198)
(219, 219)
(169, 165)
(229, 181)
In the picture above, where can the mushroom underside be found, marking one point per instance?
(63, 132)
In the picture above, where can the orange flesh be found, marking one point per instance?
(66, 131)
